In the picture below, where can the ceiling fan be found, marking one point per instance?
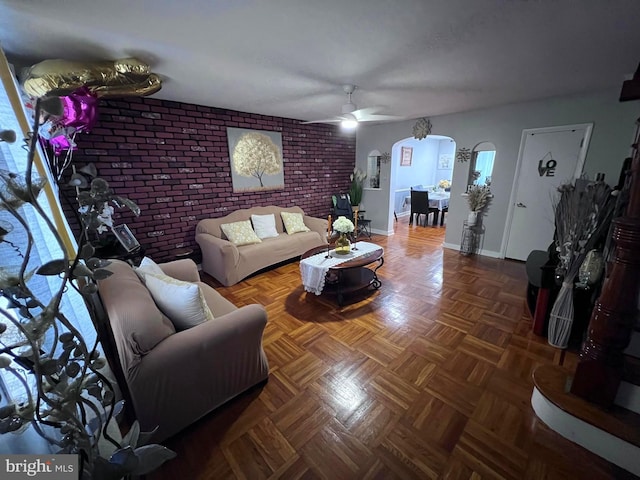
(352, 115)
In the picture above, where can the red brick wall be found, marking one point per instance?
(172, 159)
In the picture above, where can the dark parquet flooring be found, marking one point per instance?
(428, 377)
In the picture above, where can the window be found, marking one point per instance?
(13, 158)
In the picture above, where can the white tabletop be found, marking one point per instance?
(439, 200)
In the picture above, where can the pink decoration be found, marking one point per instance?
(61, 143)
(80, 113)
(80, 110)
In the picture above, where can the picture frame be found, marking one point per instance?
(248, 175)
(126, 238)
(445, 161)
(405, 157)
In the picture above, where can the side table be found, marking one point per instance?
(116, 251)
(181, 253)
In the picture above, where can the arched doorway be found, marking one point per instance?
(414, 162)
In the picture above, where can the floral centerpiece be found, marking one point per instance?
(444, 183)
(357, 182)
(343, 226)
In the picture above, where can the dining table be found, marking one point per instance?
(439, 200)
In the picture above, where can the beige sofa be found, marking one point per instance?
(229, 263)
(174, 378)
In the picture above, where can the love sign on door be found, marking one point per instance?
(548, 168)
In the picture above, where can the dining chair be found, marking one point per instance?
(420, 206)
(444, 210)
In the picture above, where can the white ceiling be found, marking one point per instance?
(289, 58)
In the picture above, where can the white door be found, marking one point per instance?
(548, 158)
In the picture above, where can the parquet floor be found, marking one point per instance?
(428, 377)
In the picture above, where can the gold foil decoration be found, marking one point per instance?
(117, 78)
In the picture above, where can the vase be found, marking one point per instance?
(472, 218)
(591, 269)
(561, 317)
(343, 244)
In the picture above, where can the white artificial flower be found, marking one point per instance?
(343, 225)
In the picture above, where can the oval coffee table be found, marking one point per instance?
(351, 275)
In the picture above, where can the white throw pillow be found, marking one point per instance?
(264, 225)
(182, 302)
(293, 222)
(148, 266)
(240, 233)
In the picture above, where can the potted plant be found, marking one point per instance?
(357, 182)
(67, 399)
(477, 198)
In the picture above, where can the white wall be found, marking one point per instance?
(614, 125)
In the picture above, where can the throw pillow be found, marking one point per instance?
(182, 302)
(264, 225)
(240, 233)
(293, 222)
(148, 266)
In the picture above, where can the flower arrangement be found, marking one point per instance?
(444, 183)
(357, 181)
(478, 197)
(343, 225)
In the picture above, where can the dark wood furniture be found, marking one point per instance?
(352, 275)
(602, 360)
(117, 251)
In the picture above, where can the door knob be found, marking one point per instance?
(521, 205)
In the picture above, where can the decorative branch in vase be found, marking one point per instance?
(477, 197)
(582, 217)
(67, 399)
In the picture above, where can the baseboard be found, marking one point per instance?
(483, 252)
(382, 232)
(490, 253)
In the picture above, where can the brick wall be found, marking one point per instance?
(172, 159)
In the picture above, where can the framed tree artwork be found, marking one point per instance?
(405, 157)
(256, 160)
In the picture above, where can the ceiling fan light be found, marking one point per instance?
(349, 121)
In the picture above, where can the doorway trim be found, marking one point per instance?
(514, 189)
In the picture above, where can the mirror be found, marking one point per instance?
(481, 164)
(373, 170)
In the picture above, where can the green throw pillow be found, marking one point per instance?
(293, 222)
(240, 233)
